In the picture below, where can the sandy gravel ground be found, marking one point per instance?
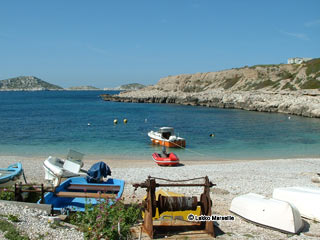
(232, 178)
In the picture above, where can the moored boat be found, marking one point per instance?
(305, 199)
(273, 213)
(166, 137)
(9, 175)
(170, 159)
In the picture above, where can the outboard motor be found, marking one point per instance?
(97, 172)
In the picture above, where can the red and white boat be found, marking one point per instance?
(165, 159)
(165, 137)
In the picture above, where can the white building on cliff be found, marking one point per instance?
(298, 60)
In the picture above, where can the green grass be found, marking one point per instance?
(288, 86)
(230, 82)
(265, 65)
(262, 84)
(102, 221)
(286, 75)
(13, 218)
(5, 195)
(11, 233)
(311, 84)
(313, 66)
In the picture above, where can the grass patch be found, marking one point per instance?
(248, 235)
(286, 75)
(311, 84)
(289, 86)
(13, 218)
(262, 84)
(313, 66)
(5, 195)
(11, 232)
(230, 82)
(192, 88)
(298, 80)
(265, 65)
(104, 220)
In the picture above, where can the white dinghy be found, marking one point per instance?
(272, 213)
(56, 169)
(306, 200)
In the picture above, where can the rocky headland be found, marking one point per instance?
(127, 87)
(285, 88)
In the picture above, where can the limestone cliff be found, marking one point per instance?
(287, 88)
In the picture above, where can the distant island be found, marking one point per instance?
(128, 87)
(83, 88)
(26, 83)
(32, 83)
(287, 88)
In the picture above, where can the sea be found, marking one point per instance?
(43, 123)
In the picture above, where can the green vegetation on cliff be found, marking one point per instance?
(273, 77)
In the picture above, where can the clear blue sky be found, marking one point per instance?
(110, 43)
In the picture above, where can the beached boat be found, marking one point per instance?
(306, 200)
(76, 192)
(9, 175)
(169, 159)
(57, 169)
(165, 137)
(276, 214)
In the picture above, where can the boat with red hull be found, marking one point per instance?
(166, 159)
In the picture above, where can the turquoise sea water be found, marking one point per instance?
(50, 122)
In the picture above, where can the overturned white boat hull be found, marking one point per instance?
(306, 200)
(272, 213)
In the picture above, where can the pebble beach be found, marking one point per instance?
(232, 178)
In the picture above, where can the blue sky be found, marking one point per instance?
(110, 43)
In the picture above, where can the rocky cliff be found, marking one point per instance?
(286, 88)
(26, 83)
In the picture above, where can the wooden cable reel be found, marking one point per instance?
(174, 203)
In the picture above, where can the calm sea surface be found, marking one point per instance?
(51, 122)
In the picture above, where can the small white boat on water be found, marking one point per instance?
(57, 169)
(166, 137)
(276, 214)
(306, 200)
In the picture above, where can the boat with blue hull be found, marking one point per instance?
(9, 175)
(76, 192)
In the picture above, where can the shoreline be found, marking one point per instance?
(146, 159)
(232, 178)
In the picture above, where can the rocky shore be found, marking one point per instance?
(284, 88)
(302, 103)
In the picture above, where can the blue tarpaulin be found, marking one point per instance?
(97, 171)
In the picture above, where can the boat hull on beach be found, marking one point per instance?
(271, 213)
(306, 200)
(75, 193)
(54, 169)
(9, 175)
